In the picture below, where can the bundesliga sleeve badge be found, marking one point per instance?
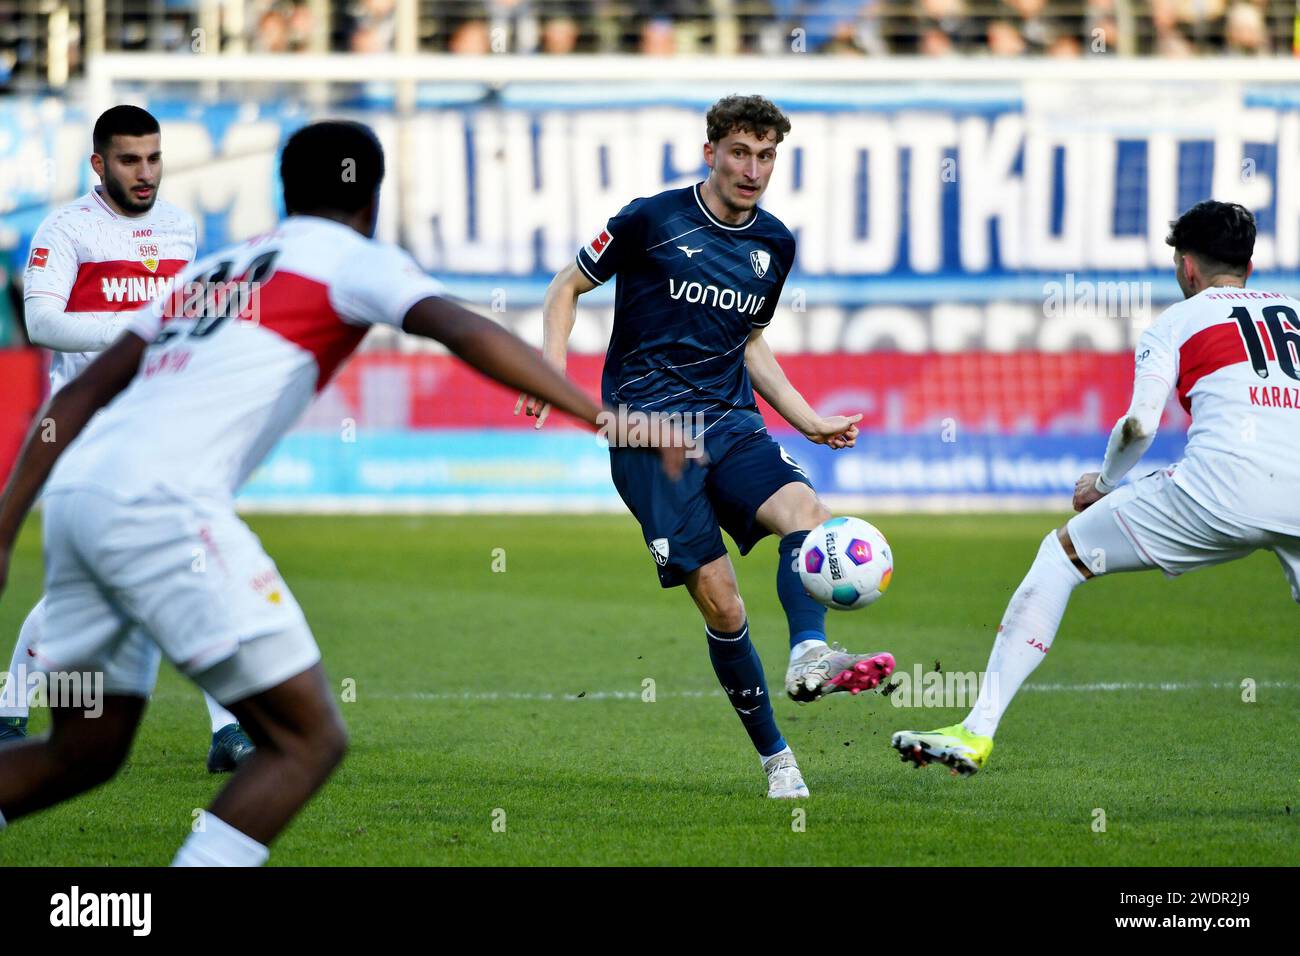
(40, 257)
(596, 248)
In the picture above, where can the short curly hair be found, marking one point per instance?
(748, 114)
(1221, 232)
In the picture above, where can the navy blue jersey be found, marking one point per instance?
(690, 291)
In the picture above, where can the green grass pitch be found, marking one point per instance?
(498, 717)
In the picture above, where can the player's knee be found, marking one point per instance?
(723, 609)
(729, 615)
(814, 514)
(1061, 538)
(332, 744)
(89, 758)
(320, 746)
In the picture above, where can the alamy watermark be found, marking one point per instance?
(936, 688)
(73, 690)
(633, 428)
(1085, 298)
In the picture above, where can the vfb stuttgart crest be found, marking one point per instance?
(147, 252)
(760, 259)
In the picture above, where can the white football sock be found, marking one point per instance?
(770, 757)
(220, 716)
(802, 648)
(1026, 633)
(15, 694)
(220, 844)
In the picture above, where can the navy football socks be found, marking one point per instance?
(740, 672)
(806, 617)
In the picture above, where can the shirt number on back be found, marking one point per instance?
(214, 297)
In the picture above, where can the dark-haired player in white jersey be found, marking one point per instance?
(92, 263)
(1232, 355)
(202, 386)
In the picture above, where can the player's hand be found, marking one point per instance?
(838, 431)
(531, 405)
(1085, 491)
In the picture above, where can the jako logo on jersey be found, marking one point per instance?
(659, 548)
(135, 288)
(722, 298)
(689, 251)
(760, 259)
(596, 248)
(141, 233)
(39, 258)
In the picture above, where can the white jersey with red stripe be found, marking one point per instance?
(92, 259)
(1233, 355)
(216, 391)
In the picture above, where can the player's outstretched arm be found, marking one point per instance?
(559, 311)
(56, 426)
(50, 327)
(837, 431)
(505, 357)
(498, 354)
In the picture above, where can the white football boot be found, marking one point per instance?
(828, 669)
(784, 781)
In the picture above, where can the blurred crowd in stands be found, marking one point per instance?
(1066, 28)
(846, 27)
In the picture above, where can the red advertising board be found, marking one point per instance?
(1016, 392)
(22, 374)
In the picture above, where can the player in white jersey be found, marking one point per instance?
(1233, 357)
(202, 386)
(92, 263)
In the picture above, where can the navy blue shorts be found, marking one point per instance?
(683, 521)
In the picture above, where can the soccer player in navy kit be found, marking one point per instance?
(699, 272)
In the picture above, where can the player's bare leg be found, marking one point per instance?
(78, 753)
(300, 739)
(740, 672)
(816, 667)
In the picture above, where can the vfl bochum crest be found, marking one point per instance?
(659, 548)
(760, 259)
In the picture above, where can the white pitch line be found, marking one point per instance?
(541, 695)
(1163, 686)
(551, 696)
(636, 695)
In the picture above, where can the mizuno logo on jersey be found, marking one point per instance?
(135, 288)
(747, 304)
(688, 250)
